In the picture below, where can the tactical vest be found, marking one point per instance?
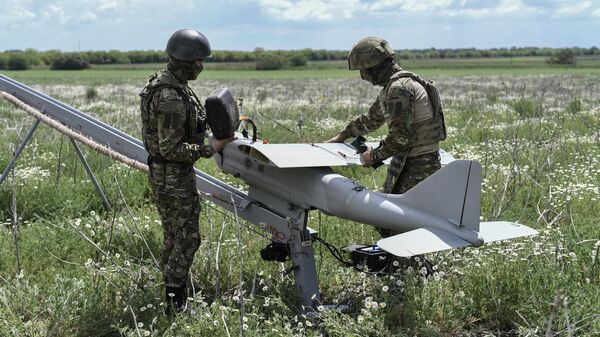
(195, 125)
(432, 130)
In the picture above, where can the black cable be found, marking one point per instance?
(335, 252)
(279, 124)
(332, 249)
(338, 256)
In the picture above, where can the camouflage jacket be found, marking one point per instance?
(173, 120)
(405, 106)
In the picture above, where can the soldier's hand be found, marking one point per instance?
(366, 159)
(219, 144)
(337, 139)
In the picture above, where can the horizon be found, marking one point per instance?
(308, 48)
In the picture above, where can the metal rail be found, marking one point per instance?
(288, 220)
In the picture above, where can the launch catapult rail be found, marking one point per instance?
(288, 223)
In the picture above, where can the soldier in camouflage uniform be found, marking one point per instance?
(412, 110)
(173, 129)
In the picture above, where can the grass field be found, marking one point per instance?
(314, 70)
(98, 76)
(75, 269)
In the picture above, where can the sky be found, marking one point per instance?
(78, 25)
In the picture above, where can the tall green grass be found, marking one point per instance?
(89, 272)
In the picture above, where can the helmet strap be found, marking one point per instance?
(184, 70)
(383, 72)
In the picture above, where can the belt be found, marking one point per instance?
(158, 159)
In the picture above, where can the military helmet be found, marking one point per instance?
(369, 52)
(188, 45)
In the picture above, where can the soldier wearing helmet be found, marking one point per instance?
(411, 108)
(173, 130)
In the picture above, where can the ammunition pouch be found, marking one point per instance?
(222, 113)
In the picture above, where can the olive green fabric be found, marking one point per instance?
(369, 52)
(173, 127)
(405, 105)
(406, 173)
(173, 120)
(184, 70)
(412, 109)
(181, 234)
(429, 123)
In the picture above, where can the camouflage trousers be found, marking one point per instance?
(178, 205)
(405, 173)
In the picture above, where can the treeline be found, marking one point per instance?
(24, 59)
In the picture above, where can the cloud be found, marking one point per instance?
(573, 9)
(109, 5)
(15, 16)
(308, 10)
(55, 13)
(504, 8)
(87, 17)
(410, 5)
(314, 10)
(65, 12)
(509, 7)
(140, 24)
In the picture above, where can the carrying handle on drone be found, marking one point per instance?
(246, 119)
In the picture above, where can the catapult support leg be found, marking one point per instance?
(12, 162)
(303, 256)
(91, 174)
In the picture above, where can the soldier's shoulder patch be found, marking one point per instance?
(169, 94)
(399, 91)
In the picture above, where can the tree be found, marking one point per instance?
(50, 56)
(69, 63)
(18, 61)
(563, 57)
(269, 62)
(297, 60)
